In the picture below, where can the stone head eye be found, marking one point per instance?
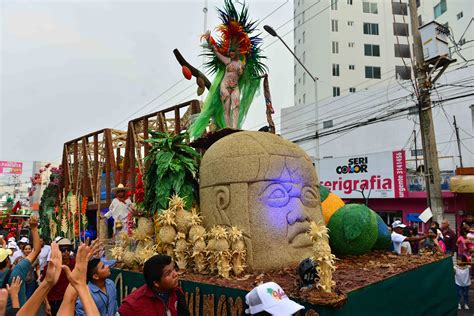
(309, 197)
(275, 195)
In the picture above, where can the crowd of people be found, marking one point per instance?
(440, 239)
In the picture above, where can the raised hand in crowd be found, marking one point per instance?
(34, 222)
(78, 281)
(13, 290)
(3, 301)
(52, 275)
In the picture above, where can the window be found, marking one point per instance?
(335, 47)
(369, 7)
(349, 2)
(371, 50)
(403, 73)
(402, 50)
(459, 15)
(304, 57)
(440, 8)
(351, 44)
(335, 70)
(372, 72)
(294, 89)
(334, 5)
(420, 20)
(336, 91)
(400, 29)
(302, 16)
(334, 25)
(352, 67)
(304, 77)
(371, 28)
(352, 90)
(328, 124)
(399, 8)
(304, 37)
(304, 98)
(350, 23)
(299, 41)
(418, 152)
(294, 69)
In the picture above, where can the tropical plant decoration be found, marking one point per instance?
(173, 169)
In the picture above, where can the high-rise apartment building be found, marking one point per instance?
(352, 44)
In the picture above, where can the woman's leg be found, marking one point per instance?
(235, 106)
(225, 99)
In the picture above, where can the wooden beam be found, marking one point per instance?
(95, 175)
(126, 163)
(86, 182)
(76, 168)
(65, 166)
(177, 121)
(110, 153)
(107, 171)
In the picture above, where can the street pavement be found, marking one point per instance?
(469, 312)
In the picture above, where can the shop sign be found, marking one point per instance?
(383, 174)
(11, 167)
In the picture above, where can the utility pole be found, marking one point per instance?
(430, 152)
(458, 141)
(416, 150)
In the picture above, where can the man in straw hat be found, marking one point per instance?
(119, 209)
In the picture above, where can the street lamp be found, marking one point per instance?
(273, 33)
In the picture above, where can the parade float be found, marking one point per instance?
(237, 208)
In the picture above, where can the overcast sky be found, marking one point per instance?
(73, 67)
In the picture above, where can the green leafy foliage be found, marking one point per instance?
(173, 170)
(384, 239)
(353, 230)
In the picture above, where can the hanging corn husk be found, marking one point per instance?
(72, 203)
(64, 224)
(322, 256)
(53, 228)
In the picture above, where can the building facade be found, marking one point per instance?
(362, 53)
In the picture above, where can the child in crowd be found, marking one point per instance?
(461, 242)
(463, 280)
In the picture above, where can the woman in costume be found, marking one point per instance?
(229, 88)
(235, 59)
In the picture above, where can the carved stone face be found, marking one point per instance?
(268, 188)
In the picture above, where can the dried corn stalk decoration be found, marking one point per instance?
(53, 228)
(180, 251)
(64, 224)
(219, 252)
(238, 250)
(322, 256)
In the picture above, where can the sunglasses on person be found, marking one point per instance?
(65, 248)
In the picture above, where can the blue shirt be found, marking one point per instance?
(106, 302)
(21, 269)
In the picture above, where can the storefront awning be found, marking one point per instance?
(462, 184)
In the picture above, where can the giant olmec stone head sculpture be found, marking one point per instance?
(268, 188)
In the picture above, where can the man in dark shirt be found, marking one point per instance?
(449, 237)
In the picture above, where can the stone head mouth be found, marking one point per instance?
(296, 229)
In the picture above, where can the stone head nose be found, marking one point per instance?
(297, 213)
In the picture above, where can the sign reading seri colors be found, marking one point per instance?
(11, 167)
(384, 174)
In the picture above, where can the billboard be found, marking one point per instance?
(383, 174)
(11, 167)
